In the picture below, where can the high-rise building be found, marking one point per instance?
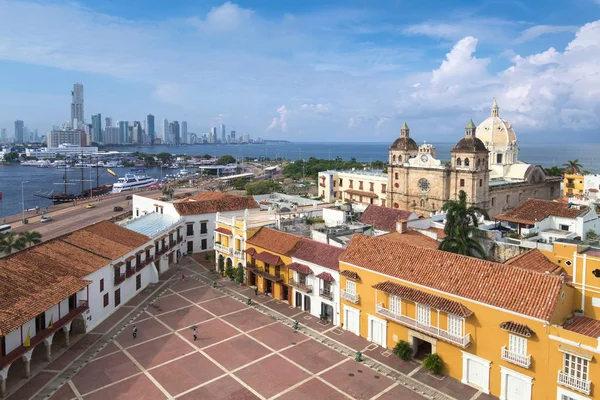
(108, 122)
(213, 135)
(184, 132)
(232, 137)
(223, 134)
(137, 133)
(123, 131)
(174, 132)
(3, 135)
(150, 128)
(112, 135)
(77, 115)
(97, 128)
(19, 131)
(165, 132)
(66, 136)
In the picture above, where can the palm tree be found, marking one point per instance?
(461, 227)
(31, 237)
(573, 166)
(10, 242)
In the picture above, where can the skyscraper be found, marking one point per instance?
(213, 135)
(184, 132)
(77, 106)
(150, 128)
(108, 122)
(174, 132)
(19, 131)
(223, 134)
(165, 131)
(3, 135)
(97, 128)
(123, 131)
(137, 133)
(232, 136)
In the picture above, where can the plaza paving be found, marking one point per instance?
(241, 352)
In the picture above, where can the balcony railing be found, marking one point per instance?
(223, 249)
(326, 294)
(299, 285)
(575, 383)
(119, 277)
(351, 297)
(462, 341)
(180, 239)
(276, 277)
(517, 359)
(172, 243)
(129, 272)
(238, 253)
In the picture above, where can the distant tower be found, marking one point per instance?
(77, 106)
(138, 133)
(108, 122)
(19, 131)
(123, 132)
(97, 128)
(165, 131)
(184, 132)
(223, 135)
(174, 132)
(150, 129)
(232, 136)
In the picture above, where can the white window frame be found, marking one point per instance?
(504, 372)
(350, 287)
(517, 345)
(423, 314)
(395, 304)
(564, 394)
(455, 325)
(576, 366)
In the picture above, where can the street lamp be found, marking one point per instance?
(23, 200)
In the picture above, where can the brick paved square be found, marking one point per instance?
(225, 388)
(104, 371)
(349, 339)
(185, 373)
(210, 332)
(314, 389)
(446, 384)
(391, 359)
(223, 305)
(138, 387)
(185, 317)
(35, 384)
(400, 392)
(271, 375)
(277, 336)
(201, 294)
(148, 329)
(64, 393)
(158, 351)
(237, 352)
(108, 349)
(357, 380)
(313, 356)
(186, 283)
(166, 303)
(248, 319)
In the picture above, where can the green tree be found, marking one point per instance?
(31, 237)
(226, 159)
(573, 167)
(164, 158)
(239, 274)
(10, 242)
(461, 228)
(239, 183)
(591, 235)
(150, 161)
(11, 156)
(262, 187)
(554, 171)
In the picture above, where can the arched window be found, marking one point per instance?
(399, 158)
(394, 159)
(478, 162)
(466, 162)
(458, 162)
(433, 206)
(422, 203)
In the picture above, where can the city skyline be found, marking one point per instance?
(335, 69)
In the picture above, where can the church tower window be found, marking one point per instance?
(499, 158)
(462, 183)
(458, 162)
(394, 159)
(399, 158)
(467, 162)
(422, 203)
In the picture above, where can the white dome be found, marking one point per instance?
(496, 133)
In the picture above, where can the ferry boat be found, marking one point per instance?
(132, 181)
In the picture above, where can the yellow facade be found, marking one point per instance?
(269, 278)
(480, 336)
(573, 185)
(231, 248)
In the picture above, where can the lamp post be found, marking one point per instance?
(23, 200)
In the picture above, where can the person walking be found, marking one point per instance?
(134, 331)
(195, 333)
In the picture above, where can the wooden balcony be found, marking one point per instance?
(261, 272)
(172, 243)
(351, 297)
(119, 278)
(299, 285)
(575, 383)
(326, 294)
(517, 359)
(461, 341)
(180, 239)
(129, 272)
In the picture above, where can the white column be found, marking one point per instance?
(67, 330)
(3, 377)
(48, 344)
(27, 360)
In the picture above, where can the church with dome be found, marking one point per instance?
(484, 164)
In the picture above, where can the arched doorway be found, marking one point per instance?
(221, 264)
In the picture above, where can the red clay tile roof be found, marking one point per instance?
(361, 193)
(532, 210)
(301, 268)
(525, 292)
(224, 231)
(211, 202)
(252, 251)
(384, 218)
(326, 276)
(421, 297)
(269, 258)
(517, 328)
(439, 231)
(584, 326)
(353, 276)
(273, 240)
(413, 238)
(534, 260)
(318, 253)
(35, 279)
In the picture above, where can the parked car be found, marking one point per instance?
(90, 206)
(118, 208)
(129, 197)
(46, 218)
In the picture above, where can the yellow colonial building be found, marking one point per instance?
(507, 329)
(573, 185)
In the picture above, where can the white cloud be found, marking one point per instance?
(460, 63)
(323, 109)
(281, 122)
(539, 30)
(226, 17)
(381, 121)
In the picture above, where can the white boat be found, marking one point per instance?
(132, 181)
(183, 172)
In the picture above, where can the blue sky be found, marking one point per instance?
(310, 70)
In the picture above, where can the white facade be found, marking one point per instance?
(64, 148)
(361, 186)
(62, 136)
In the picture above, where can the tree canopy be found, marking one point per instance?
(262, 187)
(226, 159)
(10, 156)
(312, 167)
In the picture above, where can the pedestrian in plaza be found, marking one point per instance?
(195, 333)
(256, 291)
(134, 331)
